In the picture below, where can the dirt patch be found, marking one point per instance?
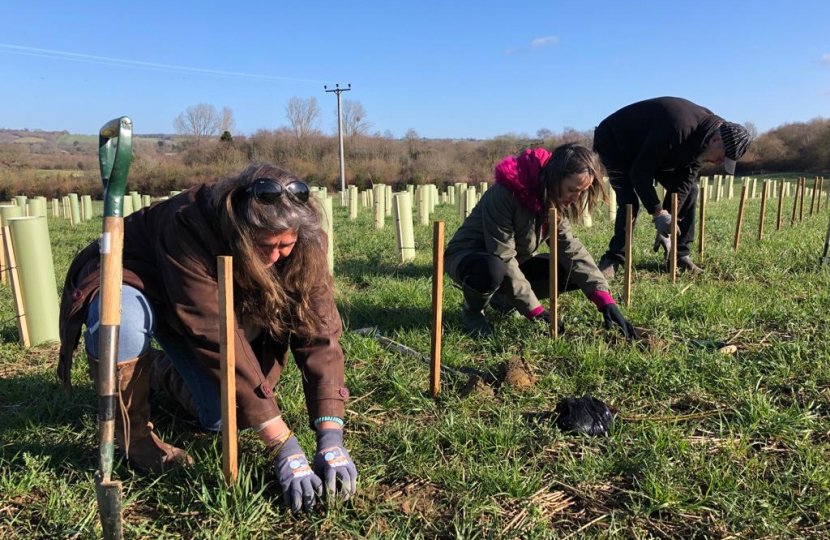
(648, 340)
(476, 387)
(417, 497)
(521, 515)
(516, 372)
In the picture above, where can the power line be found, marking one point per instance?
(120, 62)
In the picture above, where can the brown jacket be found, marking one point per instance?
(170, 252)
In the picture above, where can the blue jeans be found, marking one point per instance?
(138, 328)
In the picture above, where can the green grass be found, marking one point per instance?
(706, 445)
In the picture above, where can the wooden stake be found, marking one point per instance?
(813, 198)
(820, 192)
(740, 218)
(795, 203)
(17, 293)
(3, 266)
(227, 359)
(763, 210)
(437, 308)
(629, 236)
(553, 228)
(702, 234)
(801, 205)
(780, 206)
(673, 254)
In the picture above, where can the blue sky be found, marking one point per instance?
(446, 69)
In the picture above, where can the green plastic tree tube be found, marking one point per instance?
(87, 200)
(128, 206)
(380, 204)
(8, 212)
(75, 207)
(21, 201)
(30, 238)
(423, 205)
(146, 201)
(388, 204)
(136, 200)
(353, 194)
(327, 213)
(35, 209)
(43, 205)
(404, 234)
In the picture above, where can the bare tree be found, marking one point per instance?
(544, 133)
(751, 130)
(227, 122)
(302, 114)
(202, 121)
(354, 118)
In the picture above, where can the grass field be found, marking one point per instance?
(706, 445)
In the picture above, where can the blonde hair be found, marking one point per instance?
(566, 160)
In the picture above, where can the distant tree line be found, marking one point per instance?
(207, 149)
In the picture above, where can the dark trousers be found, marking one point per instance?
(620, 181)
(685, 219)
(485, 273)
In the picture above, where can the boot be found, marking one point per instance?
(472, 311)
(499, 302)
(165, 379)
(685, 264)
(133, 430)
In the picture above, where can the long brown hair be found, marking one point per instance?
(566, 160)
(278, 298)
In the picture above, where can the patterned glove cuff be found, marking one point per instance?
(535, 312)
(601, 299)
(327, 438)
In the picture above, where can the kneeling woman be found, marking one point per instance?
(283, 298)
(492, 256)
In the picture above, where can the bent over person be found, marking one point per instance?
(667, 140)
(283, 299)
(492, 256)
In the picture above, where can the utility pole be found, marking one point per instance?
(337, 90)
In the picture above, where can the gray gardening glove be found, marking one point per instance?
(333, 464)
(663, 223)
(300, 486)
(664, 242)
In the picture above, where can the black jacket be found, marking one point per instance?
(660, 138)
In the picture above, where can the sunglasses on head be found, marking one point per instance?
(269, 191)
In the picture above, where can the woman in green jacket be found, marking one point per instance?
(492, 257)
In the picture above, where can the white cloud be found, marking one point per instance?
(542, 41)
(535, 44)
(825, 59)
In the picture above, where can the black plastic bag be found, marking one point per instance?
(586, 415)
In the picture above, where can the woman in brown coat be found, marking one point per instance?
(284, 300)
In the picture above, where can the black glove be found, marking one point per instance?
(612, 315)
(544, 317)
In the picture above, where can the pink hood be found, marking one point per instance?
(520, 174)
